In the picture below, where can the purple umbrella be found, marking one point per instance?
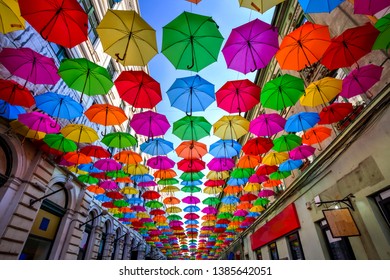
(147, 184)
(241, 213)
(191, 200)
(108, 185)
(221, 164)
(175, 223)
(255, 178)
(370, 7)
(301, 152)
(39, 122)
(210, 210)
(107, 164)
(361, 80)
(150, 124)
(251, 46)
(160, 162)
(267, 124)
(138, 208)
(266, 193)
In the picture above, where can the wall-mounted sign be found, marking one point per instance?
(341, 222)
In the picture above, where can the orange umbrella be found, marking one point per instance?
(171, 200)
(232, 189)
(245, 205)
(209, 217)
(316, 135)
(249, 161)
(128, 157)
(105, 114)
(303, 46)
(191, 150)
(165, 174)
(271, 183)
(159, 219)
(77, 158)
(95, 189)
(123, 180)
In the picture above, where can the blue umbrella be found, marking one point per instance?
(191, 183)
(134, 200)
(225, 149)
(301, 121)
(142, 178)
(129, 215)
(315, 6)
(192, 230)
(290, 164)
(59, 106)
(191, 208)
(102, 198)
(157, 147)
(191, 222)
(221, 225)
(230, 199)
(191, 94)
(9, 111)
(237, 181)
(89, 167)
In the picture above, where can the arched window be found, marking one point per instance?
(44, 230)
(102, 244)
(116, 242)
(85, 239)
(5, 162)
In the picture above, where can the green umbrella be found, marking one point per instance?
(242, 173)
(88, 179)
(85, 76)
(282, 92)
(117, 174)
(191, 41)
(383, 39)
(211, 201)
(286, 143)
(190, 189)
(191, 176)
(119, 140)
(277, 175)
(60, 143)
(121, 203)
(238, 218)
(154, 204)
(261, 201)
(168, 181)
(191, 128)
(174, 217)
(225, 215)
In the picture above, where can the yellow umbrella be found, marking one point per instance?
(173, 209)
(75, 169)
(259, 5)
(135, 169)
(127, 37)
(252, 187)
(114, 210)
(170, 189)
(231, 127)
(26, 132)
(79, 133)
(208, 223)
(141, 215)
(228, 208)
(217, 175)
(257, 208)
(321, 92)
(213, 190)
(274, 158)
(10, 18)
(129, 190)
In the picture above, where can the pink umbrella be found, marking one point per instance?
(267, 124)
(30, 65)
(241, 213)
(108, 185)
(209, 210)
(266, 193)
(175, 223)
(138, 208)
(107, 164)
(221, 164)
(191, 200)
(302, 152)
(255, 178)
(251, 46)
(147, 184)
(370, 7)
(150, 124)
(160, 162)
(361, 80)
(39, 122)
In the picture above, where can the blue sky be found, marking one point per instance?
(227, 14)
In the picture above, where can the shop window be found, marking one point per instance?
(339, 248)
(102, 244)
(295, 246)
(383, 202)
(259, 256)
(85, 239)
(273, 251)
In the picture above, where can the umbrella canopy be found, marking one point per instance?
(289, 165)
(335, 112)
(39, 122)
(266, 169)
(107, 164)
(77, 158)
(157, 147)
(249, 161)
(301, 152)
(9, 111)
(30, 65)
(312, 6)
(267, 124)
(225, 149)
(105, 114)
(347, 48)
(303, 47)
(59, 106)
(286, 143)
(259, 5)
(257, 146)
(119, 140)
(274, 158)
(231, 127)
(95, 151)
(369, 7)
(221, 164)
(191, 165)
(25, 131)
(85, 76)
(150, 124)
(79, 133)
(15, 94)
(60, 143)
(321, 92)
(383, 39)
(238, 96)
(160, 162)
(10, 19)
(282, 92)
(301, 121)
(138, 89)
(53, 20)
(251, 46)
(316, 135)
(191, 128)
(191, 150)
(191, 41)
(191, 176)
(191, 94)
(127, 37)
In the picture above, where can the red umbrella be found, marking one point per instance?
(95, 151)
(238, 96)
(15, 94)
(191, 165)
(63, 22)
(138, 89)
(347, 48)
(151, 195)
(257, 146)
(266, 169)
(213, 183)
(335, 112)
(248, 197)
(114, 195)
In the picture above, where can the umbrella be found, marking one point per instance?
(266, 193)
(370, 7)
(259, 5)
(191, 176)
(191, 128)
(119, 140)
(59, 106)
(85, 76)
(136, 169)
(54, 19)
(241, 173)
(325, 6)
(225, 149)
(191, 165)
(95, 151)
(335, 113)
(191, 41)
(89, 168)
(230, 199)
(282, 92)
(274, 158)
(301, 152)
(150, 124)
(249, 161)
(257, 146)
(107, 164)
(301, 121)
(316, 135)
(221, 164)
(277, 175)
(286, 143)
(383, 39)
(160, 162)
(9, 111)
(191, 150)
(127, 37)
(128, 157)
(321, 92)
(251, 46)
(267, 124)
(256, 178)
(138, 89)
(105, 114)
(79, 133)
(191, 189)
(151, 195)
(10, 19)
(77, 158)
(213, 190)
(156, 147)
(347, 48)
(60, 143)
(214, 183)
(231, 127)
(95, 189)
(289, 165)
(191, 94)
(360, 80)
(303, 47)
(15, 94)
(25, 131)
(191, 200)
(238, 96)
(215, 175)
(29, 65)
(39, 122)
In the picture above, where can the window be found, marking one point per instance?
(111, 69)
(85, 238)
(383, 202)
(111, 3)
(273, 251)
(92, 19)
(259, 256)
(5, 163)
(59, 51)
(116, 241)
(102, 244)
(295, 246)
